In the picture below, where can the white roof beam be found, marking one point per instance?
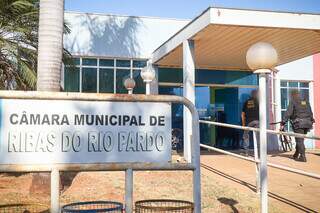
(184, 34)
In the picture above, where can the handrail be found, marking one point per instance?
(285, 168)
(281, 167)
(257, 130)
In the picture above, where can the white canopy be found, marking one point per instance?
(222, 37)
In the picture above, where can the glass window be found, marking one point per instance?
(109, 82)
(76, 61)
(106, 62)
(89, 62)
(293, 84)
(123, 63)
(140, 86)
(139, 64)
(304, 93)
(71, 79)
(89, 80)
(290, 90)
(170, 75)
(286, 89)
(284, 83)
(72, 62)
(176, 109)
(121, 76)
(284, 98)
(282, 114)
(304, 84)
(106, 80)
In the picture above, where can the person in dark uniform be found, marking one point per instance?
(300, 114)
(250, 118)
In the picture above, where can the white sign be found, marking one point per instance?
(56, 131)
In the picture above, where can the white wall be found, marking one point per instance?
(117, 36)
(299, 70)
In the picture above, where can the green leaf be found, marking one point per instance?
(19, 42)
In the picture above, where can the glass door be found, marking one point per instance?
(204, 102)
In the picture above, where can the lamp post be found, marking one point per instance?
(129, 84)
(148, 75)
(261, 58)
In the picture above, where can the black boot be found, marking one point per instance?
(302, 158)
(295, 155)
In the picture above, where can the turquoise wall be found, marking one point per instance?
(202, 76)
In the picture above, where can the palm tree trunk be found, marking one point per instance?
(50, 48)
(50, 45)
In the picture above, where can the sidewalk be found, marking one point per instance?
(227, 183)
(289, 192)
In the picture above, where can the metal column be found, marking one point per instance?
(147, 88)
(154, 87)
(256, 158)
(129, 191)
(55, 186)
(196, 161)
(189, 93)
(263, 138)
(277, 98)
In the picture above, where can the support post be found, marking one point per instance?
(277, 99)
(148, 88)
(256, 158)
(189, 93)
(55, 187)
(129, 191)
(195, 160)
(312, 99)
(154, 87)
(263, 138)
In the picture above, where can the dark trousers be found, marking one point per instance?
(300, 148)
(246, 136)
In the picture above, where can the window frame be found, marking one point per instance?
(131, 68)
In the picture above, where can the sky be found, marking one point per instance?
(185, 9)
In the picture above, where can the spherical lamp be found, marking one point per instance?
(129, 84)
(262, 57)
(148, 75)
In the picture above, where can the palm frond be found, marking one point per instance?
(19, 42)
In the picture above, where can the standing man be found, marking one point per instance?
(300, 114)
(250, 118)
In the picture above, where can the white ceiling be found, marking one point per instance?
(221, 44)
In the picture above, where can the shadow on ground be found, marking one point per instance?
(230, 202)
(253, 188)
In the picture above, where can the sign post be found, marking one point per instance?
(129, 191)
(55, 186)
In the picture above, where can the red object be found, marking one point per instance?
(316, 92)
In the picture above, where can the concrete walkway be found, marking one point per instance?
(287, 191)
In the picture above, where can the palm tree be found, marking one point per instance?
(19, 25)
(18, 44)
(50, 46)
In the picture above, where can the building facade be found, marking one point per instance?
(107, 49)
